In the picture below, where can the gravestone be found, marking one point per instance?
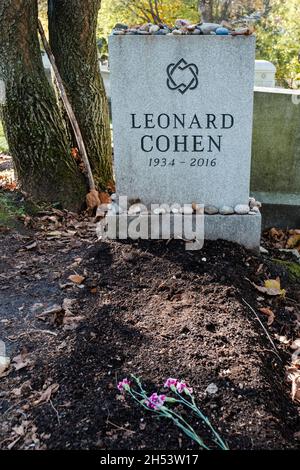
(182, 110)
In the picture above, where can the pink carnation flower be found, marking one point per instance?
(182, 387)
(125, 384)
(155, 401)
(171, 383)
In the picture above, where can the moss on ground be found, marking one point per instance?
(10, 210)
(3, 142)
(292, 267)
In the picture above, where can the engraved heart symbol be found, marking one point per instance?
(182, 66)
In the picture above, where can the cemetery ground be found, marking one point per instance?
(78, 315)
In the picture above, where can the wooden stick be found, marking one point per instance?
(264, 328)
(69, 109)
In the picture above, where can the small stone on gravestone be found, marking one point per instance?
(226, 210)
(120, 26)
(211, 210)
(242, 209)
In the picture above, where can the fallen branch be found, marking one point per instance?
(119, 427)
(26, 333)
(264, 328)
(69, 109)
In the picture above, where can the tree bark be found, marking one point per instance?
(72, 35)
(35, 129)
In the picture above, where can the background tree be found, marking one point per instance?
(34, 126)
(72, 35)
(277, 24)
(144, 11)
(278, 40)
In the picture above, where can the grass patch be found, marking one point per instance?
(3, 142)
(10, 210)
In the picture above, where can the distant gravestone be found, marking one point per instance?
(182, 111)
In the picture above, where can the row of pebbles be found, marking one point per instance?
(188, 209)
(182, 27)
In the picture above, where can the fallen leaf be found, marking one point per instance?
(71, 323)
(271, 287)
(296, 344)
(52, 310)
(69, 233)
(111, 187)
(120, 397)
(19, 430)
(76, 279)
(276, 234)
(282, 339)
(47, 394)
(54, 314)
(260, 268)
(4, 365)
(12, 444)
(93, 200)
(54, 234)
(267, 311)
(104, 198)
(273, 284)
(67, 306)
(25, 388)
(10, 186)
(293, 376)
(75, 153)
(31, 246)
(21, 361)
(297, 435)
(294, 241)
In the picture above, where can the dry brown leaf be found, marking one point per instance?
(282, 339)
(20, 430)
(47, 394)
(75, 153)
(25, 388)
(93, 200)
(272, 287)
(293, 376)
(4, 365)
(294, 241)
(67, 306)
(12, 444)
(111, 187)
(10, 186)
(267, 311)
(54, 314)
(31, 246)
(76, 279)
(276, 234)
(21, 361)
(104, 198)
(296, 344)
(54, 234)
(294, 231)
(70, 323)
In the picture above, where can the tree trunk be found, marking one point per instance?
(72, 34)
(35, 129)
(206, 9)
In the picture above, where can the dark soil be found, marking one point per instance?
(154, 310)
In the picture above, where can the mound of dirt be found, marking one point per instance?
(154, 310)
